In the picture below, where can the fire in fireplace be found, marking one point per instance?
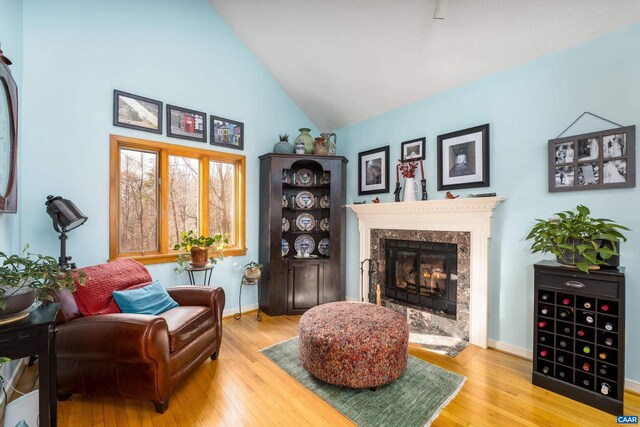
(423, 274)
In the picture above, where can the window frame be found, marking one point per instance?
(164, 254)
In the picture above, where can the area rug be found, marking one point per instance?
(415, 399)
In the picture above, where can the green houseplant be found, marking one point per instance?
(575, 238)
(26, 276)
(253, 271)
(198, 251)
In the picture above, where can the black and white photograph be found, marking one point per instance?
(137, 112)
(614, 146)
(186, 124)
(463, 159)
(413, 150)
(227, 133)
(588, 149)
(564, 176)
(373, 171)
(593, 161)
(588, 174)
(564, 153)
(614, 171)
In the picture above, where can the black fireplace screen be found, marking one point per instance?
(422, 274)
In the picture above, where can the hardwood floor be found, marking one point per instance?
(245, 388)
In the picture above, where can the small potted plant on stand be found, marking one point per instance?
(253, 271)
(25, 277)
(577, 239)
(197, 250)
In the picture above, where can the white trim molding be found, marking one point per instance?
(471, 215)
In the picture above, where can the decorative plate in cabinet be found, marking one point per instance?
(305, 222)
(304, 244)
(323, 246)
(305, 200)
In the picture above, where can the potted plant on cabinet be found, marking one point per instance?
(25, 277)
(253, 271)
(197, 250)
(577, 239)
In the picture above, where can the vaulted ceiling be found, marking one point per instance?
(343, 61)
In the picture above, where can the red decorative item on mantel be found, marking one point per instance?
(408, 169)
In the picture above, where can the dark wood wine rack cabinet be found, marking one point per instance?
(579, 334)
(293, 284)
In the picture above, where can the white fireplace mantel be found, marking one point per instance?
(471, 215)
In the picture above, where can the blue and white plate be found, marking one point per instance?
(304, 244)
(323, 246)
(285, 247)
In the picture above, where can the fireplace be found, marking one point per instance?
(422, 274)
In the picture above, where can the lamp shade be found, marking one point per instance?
(65, 215)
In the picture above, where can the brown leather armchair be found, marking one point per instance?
(137, 356)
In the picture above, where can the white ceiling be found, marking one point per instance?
(343, 61)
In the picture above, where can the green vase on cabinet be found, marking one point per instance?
(305, 139)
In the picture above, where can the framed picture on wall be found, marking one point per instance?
(413, 150)
(227, 133)
(186, 124)
(593, 161)
(373, 171)
(137, 112)
(463, 159)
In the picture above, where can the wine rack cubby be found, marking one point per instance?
(579, 334)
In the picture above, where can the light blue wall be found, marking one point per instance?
(526, 107)
(77, 52)
(11, 40)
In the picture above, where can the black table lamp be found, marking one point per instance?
(66, 216)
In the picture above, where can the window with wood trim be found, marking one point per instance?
(158, 190)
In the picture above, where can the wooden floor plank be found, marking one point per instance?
(244, 388)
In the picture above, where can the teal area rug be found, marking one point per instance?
(415, 399)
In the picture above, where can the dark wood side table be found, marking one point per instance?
(33, 335)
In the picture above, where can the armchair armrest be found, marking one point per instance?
(120, 338)
(200, 295)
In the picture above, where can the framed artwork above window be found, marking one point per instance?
(159, 190)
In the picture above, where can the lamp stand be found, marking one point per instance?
(63, 260)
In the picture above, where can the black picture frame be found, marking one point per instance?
(119, 111)
(181, 130)
(593, 161)
(222, 140)
(9, 178)
(367, 163)
(408, 146)
(470, 145)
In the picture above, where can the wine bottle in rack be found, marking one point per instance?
(605, 389)
(562, 374)
(586, 366)
(581, 332)
(608, 326)
(566, 301)
(604, 307)
(544, 353)
(586, 382)
(545, 311)
(586, 349)
(603, 355)
(543, 324)
(563, 344)
(561, 358)
(608, 341)
(603, 370)
(587, 305)
(565, 313)
(545, 297)
(567, 330)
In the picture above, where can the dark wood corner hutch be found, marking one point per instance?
(293, 285)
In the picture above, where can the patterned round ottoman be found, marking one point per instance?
(353, 345)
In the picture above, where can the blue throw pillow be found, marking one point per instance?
(151, 299)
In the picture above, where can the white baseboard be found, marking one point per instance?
(511, 349)
(353, 299)
(245, 308)
(630, 385)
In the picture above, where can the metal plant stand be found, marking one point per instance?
(246, 282)
(208, 272)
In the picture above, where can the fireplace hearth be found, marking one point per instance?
(422, 274)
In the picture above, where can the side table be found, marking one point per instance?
(36, 334)
(208, 272)
(246, 282)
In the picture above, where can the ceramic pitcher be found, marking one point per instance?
(410, 188)
(331, 145)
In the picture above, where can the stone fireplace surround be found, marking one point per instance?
(423, 320)
(470, 215)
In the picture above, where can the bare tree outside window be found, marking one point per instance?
(222, 203)
(138, 201)
(183, 197)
